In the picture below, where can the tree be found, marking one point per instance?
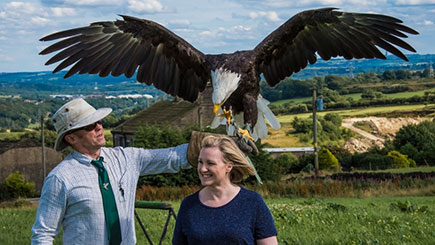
(18, 186)
(288, 163)
(421, 137)
(400, 160)
(335, 118)
(389, 75)
(327, 160)
(368, 94)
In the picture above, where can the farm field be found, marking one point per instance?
(298, 221)
(356, 96)
(280, 138)
(358, 112)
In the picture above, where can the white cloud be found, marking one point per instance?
(415, 2)
(93, 2)
(24, 32)
(317, 3)
(19, 8)
(178, 23)
(145, 6)
(270, 15)
(428, 22)
(61, 12)
(5, 58)
(40, 21)
(236, 32)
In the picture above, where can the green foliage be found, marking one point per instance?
(408, 207)
(328, 129)
(267, 167)
(400, 160)
(302, 125)
(17, 186)
(297, 220)
(327, 160)
(369, 161)
(334, 118)
(154, 137)
(4, 192)
(419, 141)
(163, 136)
(368, 94)
(288, 163)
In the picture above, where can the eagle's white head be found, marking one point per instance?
(224, 83)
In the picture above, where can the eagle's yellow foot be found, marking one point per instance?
(227, 114)
(244, 133)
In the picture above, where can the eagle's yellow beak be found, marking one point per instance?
(216, 109)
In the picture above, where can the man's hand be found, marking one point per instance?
(245, 145)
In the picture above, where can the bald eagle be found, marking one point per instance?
(158, 56)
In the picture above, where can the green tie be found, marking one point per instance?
(110, 210)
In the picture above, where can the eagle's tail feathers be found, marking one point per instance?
(267, 113)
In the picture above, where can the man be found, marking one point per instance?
(91, 193)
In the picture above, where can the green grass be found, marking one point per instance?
(298, 221)
(295, 101)
(11, 135)
(356, 112)
(356, 96)
(408, 170)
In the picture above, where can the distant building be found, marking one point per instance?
(25, 157)
(178, 113)
(134, 96)
(298, 151)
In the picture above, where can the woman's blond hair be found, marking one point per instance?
(231, 154)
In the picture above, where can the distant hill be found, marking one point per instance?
(45, 83)
(340, 66)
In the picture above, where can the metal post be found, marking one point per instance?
(43, 148)
(316, 155)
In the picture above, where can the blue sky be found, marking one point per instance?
(212, 26)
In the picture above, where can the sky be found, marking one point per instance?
(212, 26)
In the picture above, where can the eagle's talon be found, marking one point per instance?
(227, 114)
(244, 133)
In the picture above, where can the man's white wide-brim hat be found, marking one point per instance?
(75, 114)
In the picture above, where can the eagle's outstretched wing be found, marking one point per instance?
(330, 33)
(124, 46)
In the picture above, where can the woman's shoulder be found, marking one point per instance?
(191, 198)
(249, 194)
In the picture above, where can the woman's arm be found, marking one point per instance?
(268, 241)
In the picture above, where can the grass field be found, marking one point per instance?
(356, 96)
(298, 221)
(358, 112)
(279, 138)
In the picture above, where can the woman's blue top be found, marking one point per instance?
(243, 220)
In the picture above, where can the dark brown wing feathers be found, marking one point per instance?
(171, 64)
(125, 46)
(328, 33)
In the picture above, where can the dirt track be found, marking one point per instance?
(384, 128)
(348, 123)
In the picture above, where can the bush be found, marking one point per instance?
(371, 161)
(327, 160)
(288, 163)
(400, 160)
(152, 137)
(267, 167)
(17, 186)
(4, 192)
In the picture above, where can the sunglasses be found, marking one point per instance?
(87, 128)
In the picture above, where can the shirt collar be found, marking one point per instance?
(83, 159)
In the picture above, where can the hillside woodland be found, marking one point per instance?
(408, 140)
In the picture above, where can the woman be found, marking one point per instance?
(223, 212)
